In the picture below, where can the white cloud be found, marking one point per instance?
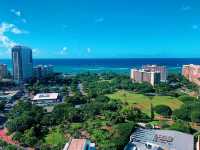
(36, 51)
(88, 50)
(186, 8)
(8, 27)
(16, 31)
(99, 20)
(16, 12)
(5, 41)
(4, 27)
(63, 51)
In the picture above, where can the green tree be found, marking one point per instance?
(17, 136)
(152, 112)
(181, 126)
(61, 112)
(195, 116)
(29, 137)
(163, 110)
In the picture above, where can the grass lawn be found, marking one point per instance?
(144, 102)
(55, 138)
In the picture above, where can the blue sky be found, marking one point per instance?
(101, 28)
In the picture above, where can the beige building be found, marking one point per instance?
(142, 75)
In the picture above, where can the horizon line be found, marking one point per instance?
(121, 58)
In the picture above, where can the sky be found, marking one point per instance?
(101, 28)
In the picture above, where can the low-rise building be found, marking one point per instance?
(79, 144)
(151, 139)
(9, 95)
(44, 99)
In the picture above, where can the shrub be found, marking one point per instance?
(186, 99)
(181, 126)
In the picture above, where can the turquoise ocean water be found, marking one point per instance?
(74, 66)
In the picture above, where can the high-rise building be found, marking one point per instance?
(41, 71)
(136, 75)
(22, 63)
(192, 73)
(156, 68)
(141, 75)
(3, 71)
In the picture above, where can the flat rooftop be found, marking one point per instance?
(45, 96)
(161, 140)
(8, 94)
(77, 144)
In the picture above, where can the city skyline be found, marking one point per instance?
(101, 29)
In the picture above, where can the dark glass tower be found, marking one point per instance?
(22, 63)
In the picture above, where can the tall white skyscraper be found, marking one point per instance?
(22, 63)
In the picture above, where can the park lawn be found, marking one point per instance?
(172, 102)
(144, 102)
(55, 138)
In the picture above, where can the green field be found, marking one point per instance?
(144, 102)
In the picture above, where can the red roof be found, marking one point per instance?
(77, 144)
(6, 138)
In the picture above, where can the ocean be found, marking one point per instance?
(74, 66)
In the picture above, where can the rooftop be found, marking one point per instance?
(149, 139)
(192, 65)
(8, 94)
(45, 96)
(77, 144)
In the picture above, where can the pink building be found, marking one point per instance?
(192, 73)
(157, 68)
(141, 75)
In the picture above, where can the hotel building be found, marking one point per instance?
(155, 68)
(192, 73)
(22, 63)
(142, 75)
